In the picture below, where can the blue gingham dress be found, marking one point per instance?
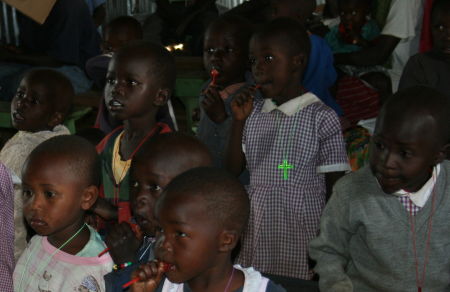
(285, 214)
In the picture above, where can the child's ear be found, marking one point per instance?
(56, 119)
(443, 154)
(228, 240)
(89, 197)
(162, 96)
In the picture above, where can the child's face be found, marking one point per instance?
(52, 197)
(188, 239)
(32, 107)
(148, 179)
(131, 87)
(225, 52)
(441, 32)
(353, 14)
(403, 152)
(113, 41)
(274, 68)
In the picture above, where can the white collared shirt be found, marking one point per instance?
(420, 197)
(291, 107)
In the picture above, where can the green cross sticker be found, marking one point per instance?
(285, 167)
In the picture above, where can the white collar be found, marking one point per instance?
(420, 197)
(292, 106)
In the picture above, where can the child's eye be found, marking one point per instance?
(268, 58)
(252, 61)
(159, 230)
(229, 50)
(20, 94)
(440, 27)
(406, 154)
(110, 80)
(379, 145)
(132, 82)
(155, 188)
(35, 100)
(27, 193)
(353, 13)
(181, 234)
(210, 50)
(134, 184)
(49, 194)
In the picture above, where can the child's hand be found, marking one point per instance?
(149, 274)
(213, 105)
(242, 104)
(123, 243)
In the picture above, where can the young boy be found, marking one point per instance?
(225, 50)
(201, 215)
(60, 182)
(386, 227)
(140, 79)
(38, 109)
(156, 164)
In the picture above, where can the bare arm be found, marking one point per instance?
(376, 54)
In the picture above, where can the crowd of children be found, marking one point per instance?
(262, 199)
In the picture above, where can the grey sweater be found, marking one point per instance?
(365, 243)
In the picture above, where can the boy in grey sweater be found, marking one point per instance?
(387, 226)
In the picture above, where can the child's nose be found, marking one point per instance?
(388, 159)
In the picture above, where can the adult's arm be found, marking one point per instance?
(376, 54)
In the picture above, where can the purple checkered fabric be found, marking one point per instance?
(409, 205)
(284, 214)
(6, 230)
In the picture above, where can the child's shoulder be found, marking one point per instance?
(359, 183)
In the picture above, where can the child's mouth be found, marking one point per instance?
(115, 104)
(18, 116)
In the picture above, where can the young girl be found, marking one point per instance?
(60, 183)
(226, 52)
(38, 110)
(139, 81)
(293, 147)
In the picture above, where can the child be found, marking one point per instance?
(60, 182)
(432, 68)
(156, 164)
(319, 75)
(385, 227)
(140, 79)
(38, 109)
(6, 229)
(293, 148)
(356, 29)
(225, 50)
(201, 216)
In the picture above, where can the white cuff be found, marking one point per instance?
(333, 168)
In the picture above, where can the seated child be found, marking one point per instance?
(6, 229)
(225, 50)
(319, 75)
(156, 164)
(386, 227)
(60, 182)
(38, 109)
(293, 148)
(201, 215)
(432, 68)
(140, 80)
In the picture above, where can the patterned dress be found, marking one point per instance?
(285, 211)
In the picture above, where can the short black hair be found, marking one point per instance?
(59, 86)
(367, 3)
(420, 99)
(128, 23)
(241, 27)
(177, 148)
(439, 6)
(162, 62)
(79, 152)
(290, 33)
(225, 197)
